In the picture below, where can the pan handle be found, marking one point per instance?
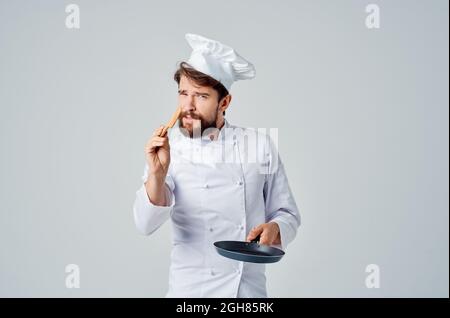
(256, 239)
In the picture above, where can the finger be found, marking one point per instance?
(163, 132)
(158, 130)
(265, 237)
(156, 138)
(153, 145)
(161, 139)
(166, 144)
(157, 143)
(254, 232)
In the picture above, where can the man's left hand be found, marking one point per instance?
(269, 234)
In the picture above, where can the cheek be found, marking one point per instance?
(209, 109)
(201, 108)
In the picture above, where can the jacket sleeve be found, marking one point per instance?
(280, 206)
(147, 216)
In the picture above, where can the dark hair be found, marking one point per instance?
(200, 79)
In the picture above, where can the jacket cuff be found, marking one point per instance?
(142, 192)
(287, 233)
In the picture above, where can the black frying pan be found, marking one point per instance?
(251, 252)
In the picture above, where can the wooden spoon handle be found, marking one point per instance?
(171, 122)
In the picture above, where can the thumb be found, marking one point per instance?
(257, 230)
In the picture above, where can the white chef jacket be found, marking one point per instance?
(217, 192)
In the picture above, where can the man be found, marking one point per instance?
(210, 185)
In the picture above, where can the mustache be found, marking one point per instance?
(191, 114)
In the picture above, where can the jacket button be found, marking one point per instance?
(206, 186)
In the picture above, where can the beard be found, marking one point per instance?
(194, 125)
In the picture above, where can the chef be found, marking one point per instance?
(215, 181)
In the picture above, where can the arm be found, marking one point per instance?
(155, 200)
(280, 205)
(282, 215)
(149, 215)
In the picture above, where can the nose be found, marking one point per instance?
(189, 104)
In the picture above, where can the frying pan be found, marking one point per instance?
(251, 252)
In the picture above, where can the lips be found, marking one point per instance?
(189, 118)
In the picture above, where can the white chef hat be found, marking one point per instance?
(219, 61)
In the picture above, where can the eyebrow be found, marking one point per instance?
(197, 93)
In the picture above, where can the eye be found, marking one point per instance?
(203, 97)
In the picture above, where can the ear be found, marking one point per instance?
(224, 103)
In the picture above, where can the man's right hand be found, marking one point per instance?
(157, 154)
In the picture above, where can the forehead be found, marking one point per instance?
(187, 84)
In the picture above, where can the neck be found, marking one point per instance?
(220, 122)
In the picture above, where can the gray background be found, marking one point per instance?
(363, 132)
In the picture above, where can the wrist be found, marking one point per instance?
(158, 178)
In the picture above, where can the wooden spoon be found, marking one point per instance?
(171, 122)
